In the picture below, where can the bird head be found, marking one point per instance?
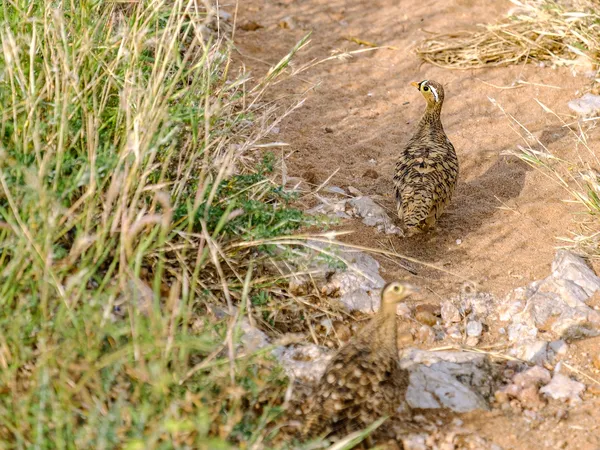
(394, 293)
(432, 91)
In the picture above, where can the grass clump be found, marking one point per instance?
(562, 33)
(127, 175)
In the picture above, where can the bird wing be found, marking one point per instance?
(425, 177)
(351, 389)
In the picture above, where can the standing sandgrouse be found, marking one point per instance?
(363, 381)
(427, 169)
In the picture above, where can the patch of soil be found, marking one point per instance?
(500, 229)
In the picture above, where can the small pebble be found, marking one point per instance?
(534, 376)
(474, 328)
(404, 339)
(454, 332)
(563, 388)
(472, 341)
(426, 335)
(287, 23)
(458, 241)
(327, 324)
(450, 313)
(335, 190)
(501, 397)
(530, 398)
(355, 192)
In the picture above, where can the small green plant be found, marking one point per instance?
(257, 208)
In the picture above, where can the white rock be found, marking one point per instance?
(586, 105)
(559, 347)
(474, 328)
(450, 313)
(307, 362)
(454, 332)
(415, 442)
(330, 207)
(327, 324)
(562, 302)
(434, 388)
(252, 338)
(563, 388)
(519, 332)
(508, 311)
(335, 190)
(534, 376)
(569, 266)
(361, 300)
(359, 286)
(426, 334)
(459, 381)
(352, 190)
(472, 341)
(532, 351)
(373, 215)
(557, 302)
(481, 304)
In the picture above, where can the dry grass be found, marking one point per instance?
(562, 33)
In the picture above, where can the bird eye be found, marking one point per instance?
(425, 88)
(396, 288)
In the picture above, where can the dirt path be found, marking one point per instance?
(501, 227)
(360, 113)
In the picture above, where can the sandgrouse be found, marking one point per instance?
(427, 169)
(363, 381)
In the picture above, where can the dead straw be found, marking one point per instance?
(536, 31)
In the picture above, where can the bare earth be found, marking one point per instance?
(500, 229)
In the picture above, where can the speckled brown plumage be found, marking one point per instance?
(427, 169)
(363, 381)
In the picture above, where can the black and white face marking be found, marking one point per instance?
(426, 87)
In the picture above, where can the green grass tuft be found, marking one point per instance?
(126, 147)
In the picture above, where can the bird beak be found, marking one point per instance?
(411, 289)
(415, 84)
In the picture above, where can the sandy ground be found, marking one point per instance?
(501, 227)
